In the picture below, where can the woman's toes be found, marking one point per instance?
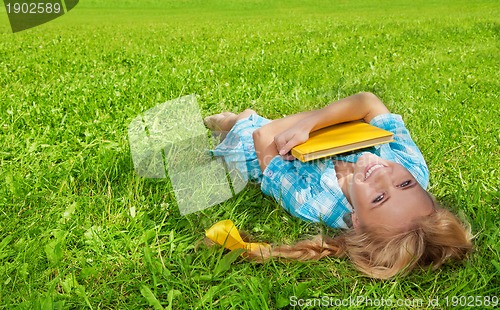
(216, 122)
(212, 121)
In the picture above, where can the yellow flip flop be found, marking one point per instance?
(226, 234)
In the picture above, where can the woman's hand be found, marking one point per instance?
(281, 135)
(286, 140)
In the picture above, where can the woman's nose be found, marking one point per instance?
(384, 176)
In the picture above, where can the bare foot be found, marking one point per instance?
(221, 124)
(218, 122)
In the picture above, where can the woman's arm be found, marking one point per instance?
(280, 136)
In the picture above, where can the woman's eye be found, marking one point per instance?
(378, 199)
(405, 183)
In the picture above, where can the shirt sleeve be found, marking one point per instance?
(403, 149)
(309, 191)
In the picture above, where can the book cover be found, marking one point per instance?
(339, 139)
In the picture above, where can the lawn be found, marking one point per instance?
(78, 227)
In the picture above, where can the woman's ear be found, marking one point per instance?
(355, 220)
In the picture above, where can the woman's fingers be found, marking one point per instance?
(287, 140)
(287, 147)
(288, 156)
(280, 141)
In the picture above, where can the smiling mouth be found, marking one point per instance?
(371, 169)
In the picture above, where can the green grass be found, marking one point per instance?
(80, 230)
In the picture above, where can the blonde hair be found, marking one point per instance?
(383, 253)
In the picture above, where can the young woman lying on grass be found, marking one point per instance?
(396, 223)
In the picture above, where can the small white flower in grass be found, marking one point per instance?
(132, 212)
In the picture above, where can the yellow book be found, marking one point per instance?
(339, 139)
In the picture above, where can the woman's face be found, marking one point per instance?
(384, 193)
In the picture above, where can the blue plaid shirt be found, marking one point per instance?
(311, 190)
